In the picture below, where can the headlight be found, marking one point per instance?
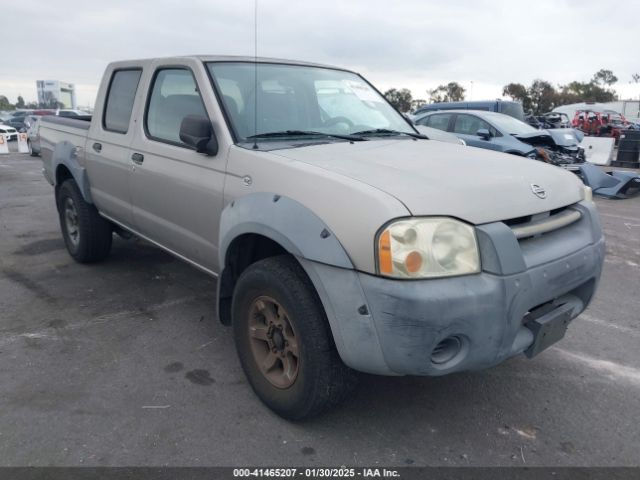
(588, 194)
(427, 248)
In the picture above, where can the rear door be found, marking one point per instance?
(107, 147)
(177, 193)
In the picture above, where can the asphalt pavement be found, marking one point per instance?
(124, 363)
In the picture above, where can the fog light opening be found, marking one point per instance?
(446, 350)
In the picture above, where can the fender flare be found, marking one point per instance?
(288, 223)
(300, 232)
(66, 153)
(285, 221)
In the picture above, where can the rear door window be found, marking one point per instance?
(120, 98)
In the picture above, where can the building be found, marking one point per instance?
(54, 90)
(628, 108)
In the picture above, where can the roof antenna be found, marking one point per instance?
(255, 74)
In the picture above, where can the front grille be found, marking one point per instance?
(541, 223)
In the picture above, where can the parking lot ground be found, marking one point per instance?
(125, 363)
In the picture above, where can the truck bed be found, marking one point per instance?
(81, 121)
(54, 130)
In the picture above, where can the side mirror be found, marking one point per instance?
(197, 132)
(484, 134)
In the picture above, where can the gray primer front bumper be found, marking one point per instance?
(405, 319)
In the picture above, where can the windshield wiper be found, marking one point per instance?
(385, 131)
(309, 133)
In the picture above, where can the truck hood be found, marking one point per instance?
(436, 178)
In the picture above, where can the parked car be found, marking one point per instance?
(342, 239)
(9, 132)
(16, 122)
(600, 124)
(495, 131)
(549, 120)
(71, 113)
(513, 109)
(20, 113)
(634, 123)
(4, 115)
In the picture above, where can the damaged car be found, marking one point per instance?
(549, 120)
(496, 131)
(560, 147)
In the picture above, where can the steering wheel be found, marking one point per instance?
(333, 120)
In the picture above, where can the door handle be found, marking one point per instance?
(137, 158)
(97, 147)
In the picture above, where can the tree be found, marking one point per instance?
(4, 103)
(543, 96)
(519, 93)
(400, 99)
(20, 102)
(635, 78)
(417, 103)
(604, 78)
(575, 92)
(451, 92)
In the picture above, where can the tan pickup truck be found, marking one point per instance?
(341, 237)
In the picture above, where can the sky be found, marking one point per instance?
(415, 44)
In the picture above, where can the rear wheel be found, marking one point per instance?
(284, 341)
(86, 234)
(31, 152)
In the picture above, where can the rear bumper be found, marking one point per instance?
(392, 327)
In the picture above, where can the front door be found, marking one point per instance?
(177, 193)
(466, 126)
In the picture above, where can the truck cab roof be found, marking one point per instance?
(224, 58)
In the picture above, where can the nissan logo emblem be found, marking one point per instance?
(538, 191)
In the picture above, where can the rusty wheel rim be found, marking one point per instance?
(71, 221)
(273, 342)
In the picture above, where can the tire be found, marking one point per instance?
(320, 380)
(86, 234)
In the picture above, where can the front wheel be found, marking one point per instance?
(284, 341)
(86, 234)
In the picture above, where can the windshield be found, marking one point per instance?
(510, 125)
(293, 98)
